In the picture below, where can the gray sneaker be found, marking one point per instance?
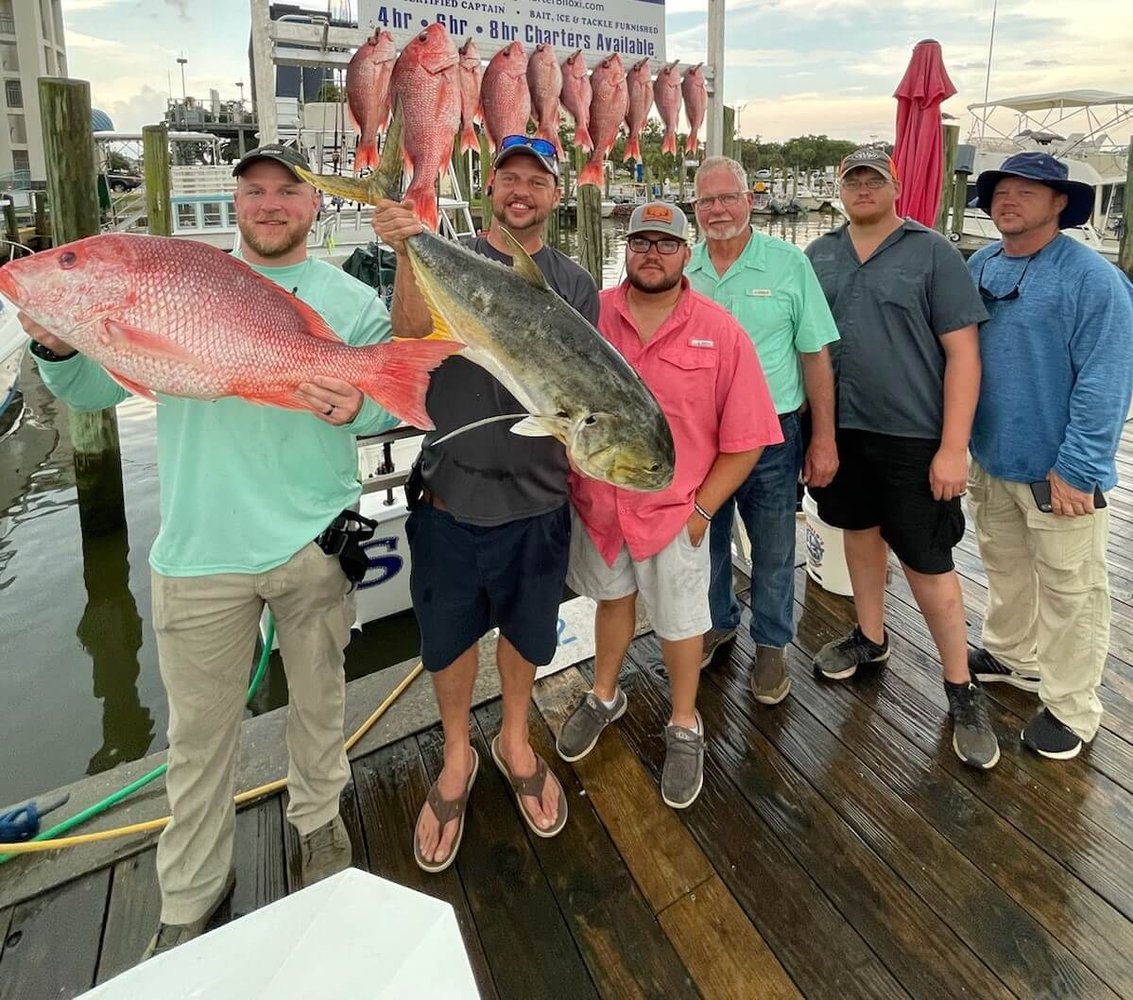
(683, 774)
(324, 852)
(840, 659)
(715, 639)
(973, 739)
(169, 936)
(581, 730)
(770, 682)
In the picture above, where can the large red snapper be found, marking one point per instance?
(367, 94)
(504, 95)
(694, 89)
(667, 97)
(470, 75)
(607, 112)
(426, 80)
(545, 81)
(640, 87)
(185, 319)
(575, 97)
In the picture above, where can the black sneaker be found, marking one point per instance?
(973, 739)
(987, 669)
(841, 658)
(1047, 736)
(715, 639)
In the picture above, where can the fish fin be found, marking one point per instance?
(468, 139)
(144, 342)
(691, 144)
(582, 138)
(591, 172)
(422, 196)
(398, 376)
(366, 155)
(522, 263)
(131, 386)
(350, 188)
(633, 150)
(669, 142)
(539, 426)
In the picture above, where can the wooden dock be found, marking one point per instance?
(839, 849)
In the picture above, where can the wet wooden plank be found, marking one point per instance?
(726, 953)
(258, 857)
(133, 914)
(1006, 938)
(348, 810)
(625, 949)
(390, 785)
(817, 946)
(664, 859)
(526, 940)
(51, 948)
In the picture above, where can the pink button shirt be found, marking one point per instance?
(703, 370)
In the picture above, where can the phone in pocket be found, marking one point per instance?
(1041, 492)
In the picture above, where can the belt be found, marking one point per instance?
(434, 501)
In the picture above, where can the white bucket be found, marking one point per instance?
(825, 552)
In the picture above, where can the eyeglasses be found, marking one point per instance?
(729, 200)
(874, 183)
(1015, 292)
(666, 245)
(541, 146)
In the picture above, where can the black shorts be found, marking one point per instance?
(466, 579)
(882, 482)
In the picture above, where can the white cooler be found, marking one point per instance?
(825, 552)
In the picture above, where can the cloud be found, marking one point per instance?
(146, 107)
(1043, 62)
(181, 6)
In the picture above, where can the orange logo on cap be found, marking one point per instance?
(660, 213)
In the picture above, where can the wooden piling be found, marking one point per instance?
(951, 137)
(155, 157)
(959, 201)
(68, 147)
(11, 223)
(589, 215)
(1125, 252)
(729, 131)
(42, 224)
(485, 177)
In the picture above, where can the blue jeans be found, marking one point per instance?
(766, 501)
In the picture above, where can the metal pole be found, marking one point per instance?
(181, 60)
(155, 156)
(68, 147)
(714, 126)
(263, 67)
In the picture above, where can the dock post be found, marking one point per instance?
(959, 201)
(951, 136)
(589, 222)
(729, 145)
(1125, 253)
(485, 178)
(11, 223)
(68, 147)
(155, 156)
(42, 226)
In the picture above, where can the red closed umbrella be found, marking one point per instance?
(918, 149)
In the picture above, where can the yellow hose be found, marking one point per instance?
(33, 847)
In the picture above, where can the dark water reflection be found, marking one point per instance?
(79, 684)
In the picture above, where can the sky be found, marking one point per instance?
(795, 66)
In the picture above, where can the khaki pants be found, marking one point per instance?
(206, 630)
(1048, 595)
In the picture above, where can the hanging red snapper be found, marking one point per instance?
(667, 97)
(185, 319)
(694, 89)
(504, 95)
(545, 81)
(607, 112)
(640, 88)
(367, 94)
(575, 98)
(470, 75)
(426, 80)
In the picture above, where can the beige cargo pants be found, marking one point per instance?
(206, 629)
(1048, 595)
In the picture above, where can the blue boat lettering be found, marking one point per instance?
(383, 567)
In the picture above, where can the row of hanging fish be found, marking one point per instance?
(444, 91)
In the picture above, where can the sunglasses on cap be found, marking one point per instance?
(541, 146)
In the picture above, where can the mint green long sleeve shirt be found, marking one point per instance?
(243, 486)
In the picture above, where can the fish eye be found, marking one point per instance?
(590, 419)
(68, 259)
(655, 467)
(423, 37)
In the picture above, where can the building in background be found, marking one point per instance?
(302, 83)
(31, 46)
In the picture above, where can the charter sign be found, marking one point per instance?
(633, 28)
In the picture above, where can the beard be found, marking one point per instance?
(268, 245)
(652, 281)
(534, 221)
(725, 230)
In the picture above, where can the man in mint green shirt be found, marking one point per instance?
(245, 491)
(770, 287)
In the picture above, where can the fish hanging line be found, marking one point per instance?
(476, 423)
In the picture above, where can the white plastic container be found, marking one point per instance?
(825, 552)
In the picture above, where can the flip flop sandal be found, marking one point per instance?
(445, 810)
(532, 786)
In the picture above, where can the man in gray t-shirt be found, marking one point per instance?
(908, 377)
(490, 538)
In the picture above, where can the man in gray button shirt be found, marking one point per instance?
(908, 378)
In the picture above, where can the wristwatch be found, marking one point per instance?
(46, 354)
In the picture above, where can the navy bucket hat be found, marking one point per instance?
(1045, 169)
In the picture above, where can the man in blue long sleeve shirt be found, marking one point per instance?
(1057, 357)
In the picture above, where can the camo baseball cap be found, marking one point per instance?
(658, 217)
(287, 155)
(874, 159)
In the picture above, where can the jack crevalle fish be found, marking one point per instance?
(607, 112)
(545, 81)
(426, 80)
(694, 89)
(367, 94)
(571, 381)
(185, 319)
(667, 97)
(504, 95)
(575, 97)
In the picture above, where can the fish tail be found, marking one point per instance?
(397, 376)
(350, 188)
(633, 149)
(691, 143)
(582, 138)
(669, 142)
(424, 201)
(468, 139)
(365, 156)
(591, 172)
(552, 136)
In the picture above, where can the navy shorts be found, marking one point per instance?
(465, 579)
(882, 482)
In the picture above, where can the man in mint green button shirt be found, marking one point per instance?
(245, 491)
(770, 287)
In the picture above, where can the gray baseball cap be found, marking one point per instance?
(658, 217)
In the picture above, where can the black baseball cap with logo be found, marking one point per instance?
(287, 155)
